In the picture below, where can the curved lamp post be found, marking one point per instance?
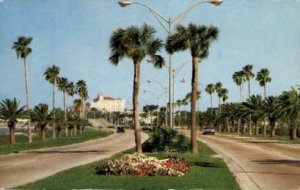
(167, 23)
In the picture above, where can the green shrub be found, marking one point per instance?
(166, 140)
(182, 144)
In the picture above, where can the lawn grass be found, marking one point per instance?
(37, 143)
(207, 172)
(282, 139)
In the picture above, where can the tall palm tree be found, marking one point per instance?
(63, 86)
(41, 115)
(238, 78)
(197, 39)
(210, 90)
(290, 105)
(81, 90)
(218, 88)
(253, 107)
(71, 90)
(271, 109)
(51, 75)
(136, 43)
(10, 112)
(263, 78)
(248, 74)
(22, 50)
(224, 95)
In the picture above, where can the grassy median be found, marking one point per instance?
(207, 172)
(59, 141)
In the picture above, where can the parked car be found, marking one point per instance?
(208, 131)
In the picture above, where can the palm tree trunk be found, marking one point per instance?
(273, 126)
(157, 118)
(265, 90)
(135, 97)
(211, 100)
(65, 114)
(194, 144)
(249, 89)
(27, 99)
(256, 127)
(250, 125)
(241, 95)
(239, 126)
(265, 122)
(294, 129)
(12, 138)
(53, 109)
(43, 134)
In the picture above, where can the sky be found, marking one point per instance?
(74, 35)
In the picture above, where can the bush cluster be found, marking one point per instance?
(166, 140)
(141, 165)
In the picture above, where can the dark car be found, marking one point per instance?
(208, 131)
(120, 130)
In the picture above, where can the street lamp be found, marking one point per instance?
(164, 89)
(166, 23)
(157, 97)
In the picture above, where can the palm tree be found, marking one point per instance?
(224, 95)
(22, 50)
(63, 86)
(271, 109)
(71, 90)
(10, 112)
(238, 78)
(218, 88)
(210, 90)
(263, 78)
(42, 117)
(136, 43)
(179, 104)
(253, 107)
(81, 90)
(51, 75)
(197, 39)
(290, 105)
(247, 70)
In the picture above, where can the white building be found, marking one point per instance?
(108, 104)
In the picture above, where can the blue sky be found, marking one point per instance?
(74, 35)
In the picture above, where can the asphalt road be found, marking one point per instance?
(22, 168)
(258, 164)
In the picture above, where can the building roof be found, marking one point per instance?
(103, 98)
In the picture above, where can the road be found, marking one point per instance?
(258, 164)
(22, 168)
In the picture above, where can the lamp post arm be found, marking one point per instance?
(161, 86)
(182, 15)
(157, 16)
(180, 67)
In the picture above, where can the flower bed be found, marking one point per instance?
(141, 165)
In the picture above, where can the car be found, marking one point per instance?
(120, 130)
(208, 131)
